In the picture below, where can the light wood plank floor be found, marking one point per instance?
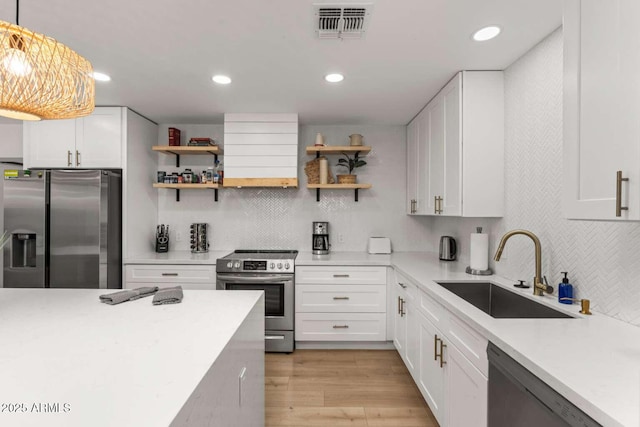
(342, 388)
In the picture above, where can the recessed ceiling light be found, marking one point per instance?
(220, 79)
(101, 77)
(334, 78)
(486, 33)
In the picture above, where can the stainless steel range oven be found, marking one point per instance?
(273, 273)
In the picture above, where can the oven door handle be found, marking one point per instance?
(254, 279)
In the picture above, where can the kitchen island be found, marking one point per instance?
(68, 360)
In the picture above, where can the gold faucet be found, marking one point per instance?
(539, 288)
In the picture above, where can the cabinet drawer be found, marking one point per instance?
(185, 285)
(340, 326)
(409, 289)
(341, 298)
(171, 273)
(344, 275)
(470, 343)
(432, 310)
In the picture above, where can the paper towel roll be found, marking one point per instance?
(324, 170)
(479, 256)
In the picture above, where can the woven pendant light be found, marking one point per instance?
(41, 78)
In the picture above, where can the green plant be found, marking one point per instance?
(351, 162)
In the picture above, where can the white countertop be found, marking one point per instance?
(176, 257)
(593, 361)
(343, 258)
(132, 364)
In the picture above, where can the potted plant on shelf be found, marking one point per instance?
(350, 163)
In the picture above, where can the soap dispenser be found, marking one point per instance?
(565, 290)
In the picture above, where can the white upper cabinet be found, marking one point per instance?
(416, 173)
(459, 153)
(93, 141)
(601, 109)
(99, 139)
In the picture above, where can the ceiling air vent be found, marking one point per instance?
(341, 21)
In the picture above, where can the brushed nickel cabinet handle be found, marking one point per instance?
(69, 158)
(619, 207)
(77, 158)
(402, 312)
(341, 275)
(170, 274)
(340, 326)
(337, 298)
(435, 347)
(399, 305)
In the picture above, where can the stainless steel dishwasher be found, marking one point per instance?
(519, 398)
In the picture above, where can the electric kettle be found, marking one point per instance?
(448, 248)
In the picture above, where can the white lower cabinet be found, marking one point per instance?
(337, 303)
(400, 323)
(450, 368)
(431, 375)
(191, 277)
(466, 391)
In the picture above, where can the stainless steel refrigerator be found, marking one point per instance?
(65, 229)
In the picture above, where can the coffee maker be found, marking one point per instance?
(320, 239)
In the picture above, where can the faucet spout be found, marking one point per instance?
(538, 286)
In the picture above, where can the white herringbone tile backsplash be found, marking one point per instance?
(602, 258)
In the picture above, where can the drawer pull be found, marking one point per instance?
(170, 274)
(340, 326)
(274, 337)
(336, 298)
(341, 275)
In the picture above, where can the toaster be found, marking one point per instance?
(379, 245)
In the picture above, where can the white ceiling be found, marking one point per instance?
(161, 54)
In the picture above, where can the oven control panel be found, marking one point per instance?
(247, 266)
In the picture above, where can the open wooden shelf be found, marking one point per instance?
(339, 186)
(338, 149)
(186, 186)
(179, 150)
(354, 187)
(261, 182)
(178, 187)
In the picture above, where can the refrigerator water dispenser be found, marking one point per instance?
(23, 250)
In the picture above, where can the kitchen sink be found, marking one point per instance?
(500, 303)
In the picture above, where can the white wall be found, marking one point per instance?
(602, 258)
(281, 218)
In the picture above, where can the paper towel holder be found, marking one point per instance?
(487, 272)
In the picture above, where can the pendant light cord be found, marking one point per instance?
(18, 12)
